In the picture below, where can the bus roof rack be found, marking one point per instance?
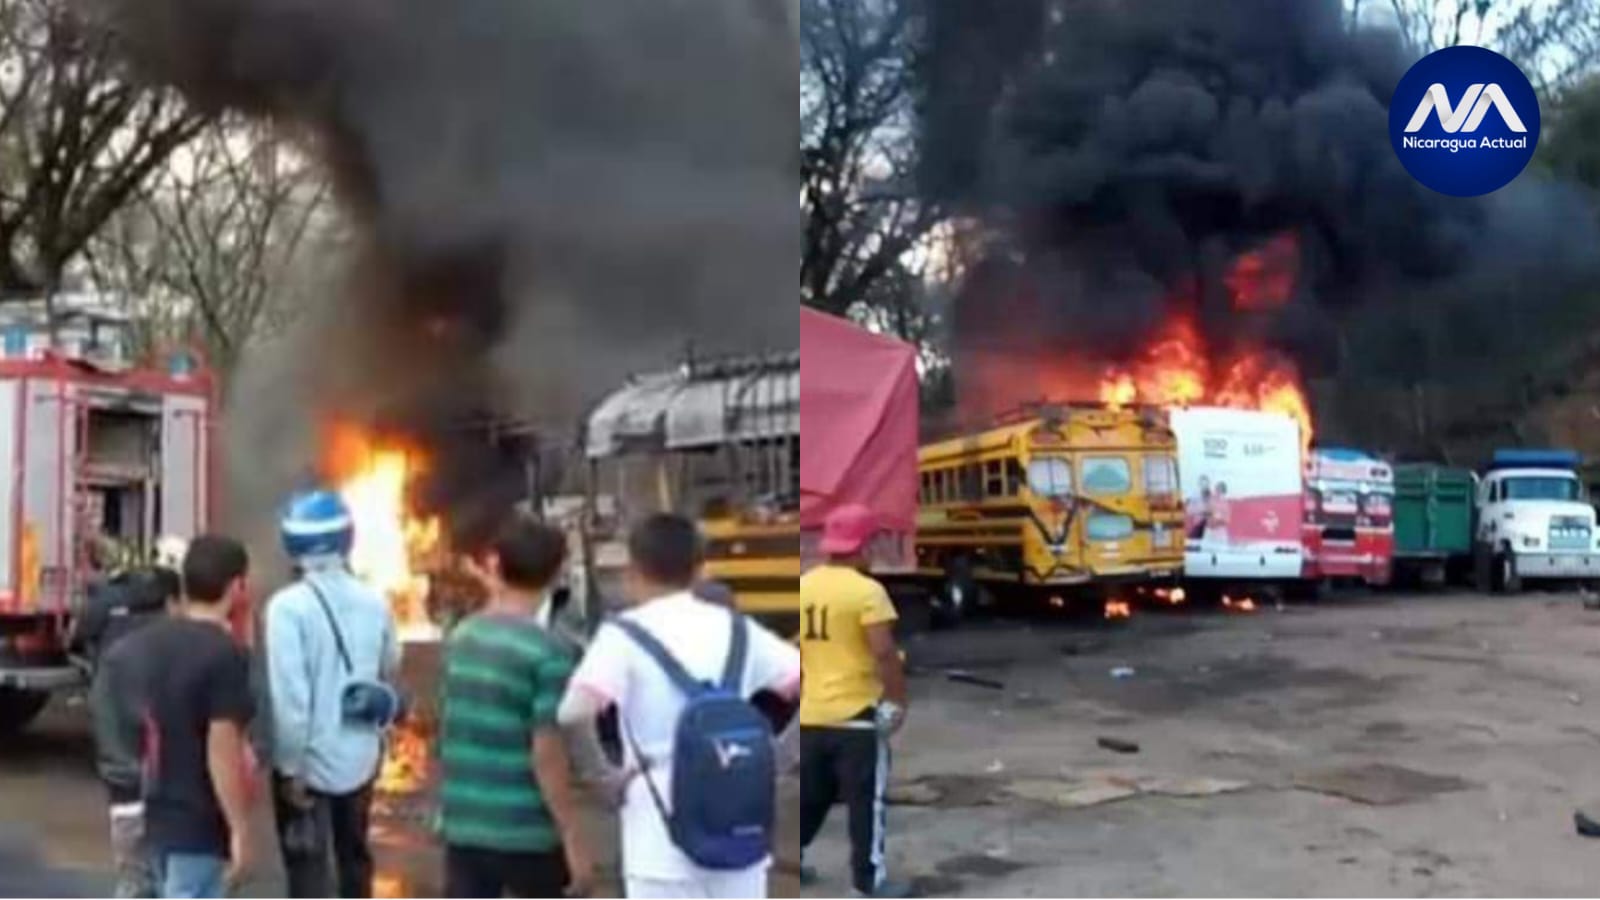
(1534, 459)
(1046, 409)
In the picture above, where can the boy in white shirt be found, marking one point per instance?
(665, 556)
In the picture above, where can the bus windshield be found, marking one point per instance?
(1532, 487)
(1050, 477)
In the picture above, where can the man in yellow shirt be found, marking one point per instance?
(852, 698)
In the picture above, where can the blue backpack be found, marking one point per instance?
(723, 765)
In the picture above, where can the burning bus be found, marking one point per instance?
(1053, 500)
(717, 440)
(1240, 473)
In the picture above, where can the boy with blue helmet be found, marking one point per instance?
(331, 653)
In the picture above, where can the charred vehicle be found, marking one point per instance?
(717, 440)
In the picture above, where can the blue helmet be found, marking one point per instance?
(316, 523)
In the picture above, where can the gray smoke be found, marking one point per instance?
(546, 196)
(1125, 154)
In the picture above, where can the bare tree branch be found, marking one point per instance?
(862, 214)
(78, 136)
(212, 245)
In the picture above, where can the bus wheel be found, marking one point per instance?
(958, 596)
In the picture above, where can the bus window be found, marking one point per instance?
(1104, 526)
(971, 483)
(994, 482)
(1160, 476)
(1106, 475)
(1013, 477)
(1050, 476)
(947, 485)
(926, 490)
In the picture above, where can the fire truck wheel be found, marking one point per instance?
(19, 707)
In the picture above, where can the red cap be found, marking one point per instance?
(848, 529)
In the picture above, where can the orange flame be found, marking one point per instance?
(1263, 278)
(1118, 609)
(407, 762)
(390, 542)
(1244, 604)
(1171, 596)
(1175, 370)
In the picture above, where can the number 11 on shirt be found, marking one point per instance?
(816, 617)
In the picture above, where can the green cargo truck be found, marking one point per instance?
(1433, 510)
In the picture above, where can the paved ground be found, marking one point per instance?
(1390, 745)
(52, 806)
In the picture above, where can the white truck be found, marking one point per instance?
(90, 448)
(1533, 522)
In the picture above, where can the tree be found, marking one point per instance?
(78, 136)
(1569, 141)
(216, 246)
(1554, 42)
(862, 216)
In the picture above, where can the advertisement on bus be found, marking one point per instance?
(1240, 473)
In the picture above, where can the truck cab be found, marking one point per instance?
(1534, 521)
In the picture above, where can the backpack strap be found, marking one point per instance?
(738, 646)
(669, 664)
(338, 637)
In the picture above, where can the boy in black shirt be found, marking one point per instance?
(198, 704)
(117, 706)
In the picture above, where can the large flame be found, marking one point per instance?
(408, 760)
(1177, 370)
(390, 542)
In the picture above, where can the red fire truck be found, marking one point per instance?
(1348, 530)
(96, 448)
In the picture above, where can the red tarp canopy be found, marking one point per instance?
(858, 422)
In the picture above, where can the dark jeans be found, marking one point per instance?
(850, 766)
(477, 872)
(336, 852)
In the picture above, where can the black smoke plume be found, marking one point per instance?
(545, 195)
(1121, 156)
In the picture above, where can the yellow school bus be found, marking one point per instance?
(1053, 499)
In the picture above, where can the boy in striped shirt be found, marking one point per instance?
(509, 820)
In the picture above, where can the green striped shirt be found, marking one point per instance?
(503, 679)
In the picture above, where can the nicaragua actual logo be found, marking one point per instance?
(1464, 121)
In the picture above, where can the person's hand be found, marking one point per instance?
(891, 716)
(239, 858)
(580, 867)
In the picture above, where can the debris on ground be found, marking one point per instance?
(965, 677)
(1122, 672)
(1117, 745)
(1378, 784)
(945, 791)
(1586, 826)
(1095, 788)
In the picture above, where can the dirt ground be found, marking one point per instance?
(52, 803)
(1366, 746)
